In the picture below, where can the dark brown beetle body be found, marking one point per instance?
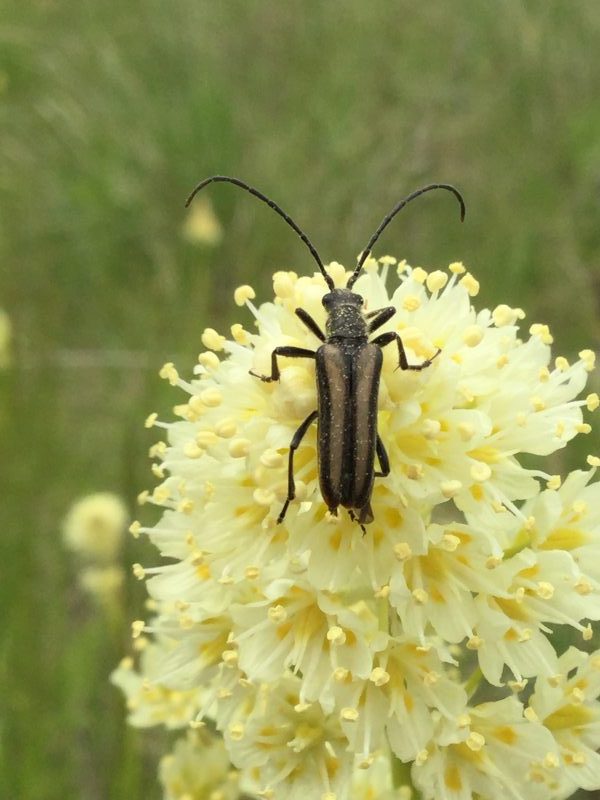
(348, 371)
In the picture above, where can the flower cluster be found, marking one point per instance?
(340, 664)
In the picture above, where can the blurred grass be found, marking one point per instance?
(109, 114)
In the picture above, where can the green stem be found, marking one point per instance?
(401, 776)
(473, 682)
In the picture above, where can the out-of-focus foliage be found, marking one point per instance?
(109, 114)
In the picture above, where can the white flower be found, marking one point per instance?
(315, 648)
(198, 768)
(95, 525)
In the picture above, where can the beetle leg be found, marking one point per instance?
(379, 317)
(384, 461)
(294, 445)
(310, 323)
(289, 352)
(386, 338)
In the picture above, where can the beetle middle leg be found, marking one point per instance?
(294, 445)
(289, 352)
(379, 317)
(387, 338)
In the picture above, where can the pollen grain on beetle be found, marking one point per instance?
(330, 659)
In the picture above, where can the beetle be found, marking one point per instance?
(348, 371)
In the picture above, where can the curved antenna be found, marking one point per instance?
(274, 206)
(387, 219)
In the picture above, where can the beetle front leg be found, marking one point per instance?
(288, 352)
(294, 445)
(387, 338)
(379, 317)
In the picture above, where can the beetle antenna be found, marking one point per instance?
(272, 204)
(389, 217)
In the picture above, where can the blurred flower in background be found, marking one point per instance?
(94, 527)
(201, 225)
(94, 530)
(317, 653)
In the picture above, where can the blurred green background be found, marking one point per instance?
(110, 113)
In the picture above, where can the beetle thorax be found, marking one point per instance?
(344, 314)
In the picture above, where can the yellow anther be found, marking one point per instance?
(517, 686)
(583, 587)
(475, 741)
(589, 359)
(243, 294)
(545, 590)
(480, 471)
(138, 571)
(436, 280)
(211, 397)
(421, 757)
(463, 720)
(230, 657)
(554, 482)
(561, 364)
(135, 528)
(431, 428)
(277, 614)
(379, 676)
(341, 674)
(544, 374)
(505, 315)
(419, 275)
(537, 403)
(169, 372)
(474, 642)
(470, 284)
(521, 419)
(263, 497)
(226, 428)
(449, 542)
(431, 677)
(336, 635)
(157, 449)
(466, 431)
(209, 360)
(457, 267)
(593, 461)
(525, 635)
(239, 334)
(502, 361)
(251, 573)
(530, 714)
(349, 714)
(236, 731)
(402, 551)
(583, 427)
(551, 761)
(519, 595)
(592, 401)
(300, 708)
(414, 472)
(206, 438)
(420, 596)
(150, 420)
(529, 523)
(143, 497)
(283, 284)
(158, 471)
(191, 450)
(451, 488)
(402, 267)
(239, 448)
(559, 429)
(212, 340)
(588, 633)
(492, 562)
(473, 335)
(542, 332)
(137, 628)
(388, 261)
(411, 303)
(271, 459)
(383, 592)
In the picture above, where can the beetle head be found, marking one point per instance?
(342, 297)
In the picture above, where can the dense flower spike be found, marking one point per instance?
(336, 664)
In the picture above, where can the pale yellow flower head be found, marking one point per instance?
(95, 525)
(316, 648)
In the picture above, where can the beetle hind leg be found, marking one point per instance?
(294, 445)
